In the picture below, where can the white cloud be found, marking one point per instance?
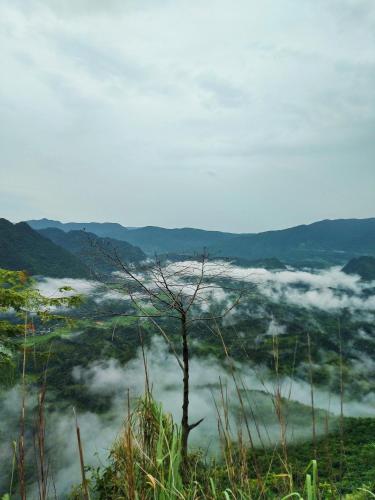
(50, 287)
(329, 289)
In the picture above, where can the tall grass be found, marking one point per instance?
(145, 464)
(145, 460)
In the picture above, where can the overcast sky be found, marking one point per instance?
(240, 115)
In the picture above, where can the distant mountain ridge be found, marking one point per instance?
(327, 241)
(92, 249)
(102, 229)
(151, 239)
(22, 248)
(321, 243)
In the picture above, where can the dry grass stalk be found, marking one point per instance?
(85, 490)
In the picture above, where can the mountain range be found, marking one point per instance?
(318, 244)
(59, 249)
(104, 230)
(322, 243)
(151, 239)
(55, 253)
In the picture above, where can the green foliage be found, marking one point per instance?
(343, 464)
(145, 460)
(21, 304)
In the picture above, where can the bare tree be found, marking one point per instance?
(181, 292)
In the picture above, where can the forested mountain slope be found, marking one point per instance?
(328, 241)
(363, 266)
(22, 248)
(93, 250)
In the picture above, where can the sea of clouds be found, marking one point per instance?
(330, 290)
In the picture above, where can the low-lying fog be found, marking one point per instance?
(328, 290)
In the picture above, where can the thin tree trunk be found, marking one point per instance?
(21, 440)
(185, 404)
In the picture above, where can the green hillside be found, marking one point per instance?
(23, 248)
(320, 243)
(92, 249)
(363, 266)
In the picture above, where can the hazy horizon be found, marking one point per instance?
(68, 221)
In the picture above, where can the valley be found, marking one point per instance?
(303, 339)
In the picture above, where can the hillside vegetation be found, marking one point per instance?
(22, 248)
(328, 241)
(92, 249)
(362, 266)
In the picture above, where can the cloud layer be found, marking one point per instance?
(234, 115)
(329, 290)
